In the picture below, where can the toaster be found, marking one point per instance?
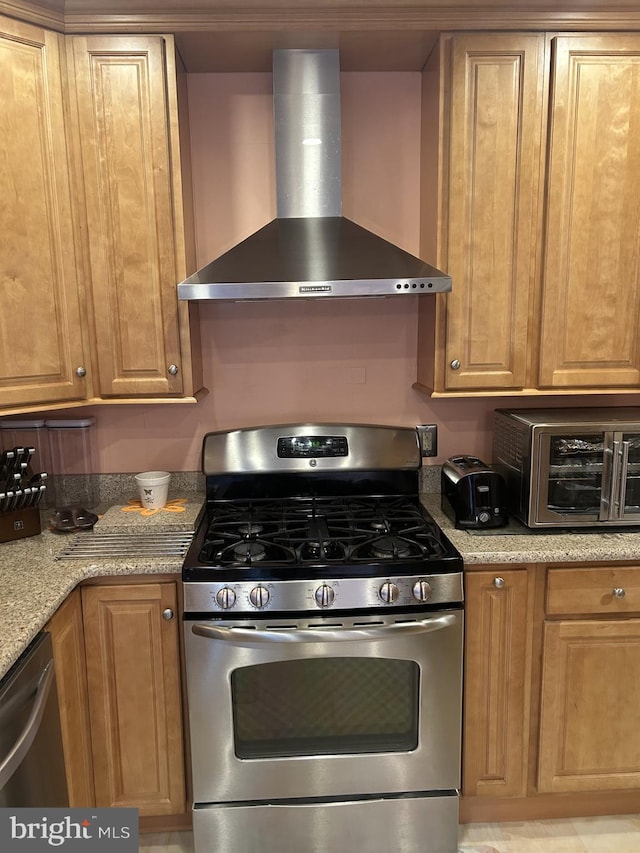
(473, 494)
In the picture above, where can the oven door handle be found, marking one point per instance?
(252, 636)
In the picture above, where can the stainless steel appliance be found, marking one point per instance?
(570, 467)
(323, 629)
(311, 250)
(472, 493)
(32, 769)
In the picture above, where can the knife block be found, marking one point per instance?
(19, 523)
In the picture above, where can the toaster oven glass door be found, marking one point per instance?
(588, 477)
(629, 466)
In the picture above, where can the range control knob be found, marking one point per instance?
(259, 596)
(324, 595)
(388, 592)
(225, 598)
(483, 517)
(421, 590)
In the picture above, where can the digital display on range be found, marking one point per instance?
(308, 446)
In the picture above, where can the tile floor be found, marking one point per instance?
(579, 835)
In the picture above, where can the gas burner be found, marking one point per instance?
(220, 550)
(247, 552)
(390, 547)
(330, 550)
(387, 548)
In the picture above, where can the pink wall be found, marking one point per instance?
(349, 361)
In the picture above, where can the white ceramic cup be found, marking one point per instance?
(153, 487)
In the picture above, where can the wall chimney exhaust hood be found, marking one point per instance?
(310, 250)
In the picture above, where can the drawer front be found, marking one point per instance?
(601, 591)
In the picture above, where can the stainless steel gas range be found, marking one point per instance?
(323, 619)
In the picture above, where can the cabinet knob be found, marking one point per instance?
(455, 364)
(172, 370)
(81, 372)
(618, 592)
(167, 614)
(498, 583)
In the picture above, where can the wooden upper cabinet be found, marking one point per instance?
(127, 130)
(40, 341)
(492, 93)
(591, 308)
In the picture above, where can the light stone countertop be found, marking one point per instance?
(552, 546)
(33, 583)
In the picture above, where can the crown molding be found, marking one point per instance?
(120, 16)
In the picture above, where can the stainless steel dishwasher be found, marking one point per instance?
(31, 758)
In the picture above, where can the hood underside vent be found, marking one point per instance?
(310, 250)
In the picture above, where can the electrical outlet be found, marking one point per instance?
(428, 439)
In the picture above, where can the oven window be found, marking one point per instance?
(575, 472)
(325, 706)
(632, 485)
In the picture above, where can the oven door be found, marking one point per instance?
(355, 707)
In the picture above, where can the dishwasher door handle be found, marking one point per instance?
(10, 763)
(251, 636)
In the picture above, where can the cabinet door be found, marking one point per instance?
(495, 739)
(591, 308)
(40, 331)
(492, 175)
(122, 98)
(133, 668)
(590, 699)
(67, 636)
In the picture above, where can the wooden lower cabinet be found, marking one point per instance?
(590, 691)
(551, 691)
(67, 636)
(117, 657)
(590, 699)
(496, 683)
(135, 701)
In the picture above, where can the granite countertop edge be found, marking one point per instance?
(34, 583)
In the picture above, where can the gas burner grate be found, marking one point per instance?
(317, 531)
